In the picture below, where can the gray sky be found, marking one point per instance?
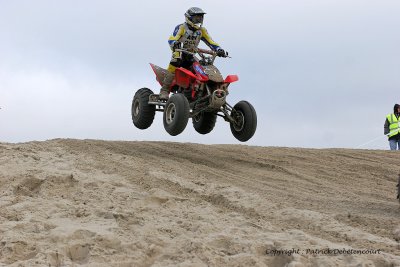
(319, 73)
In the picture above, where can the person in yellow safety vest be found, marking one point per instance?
(187, 36)
(392, 128)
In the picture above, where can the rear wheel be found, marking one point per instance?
(142, 112)
(176, 114)
(245, 121)
(204, 122)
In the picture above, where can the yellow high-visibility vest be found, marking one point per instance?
(394, 124)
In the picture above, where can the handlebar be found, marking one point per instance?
(205, 51)
(199, 51)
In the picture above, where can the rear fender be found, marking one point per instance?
(159, 72)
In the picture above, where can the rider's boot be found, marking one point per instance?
(164, 91)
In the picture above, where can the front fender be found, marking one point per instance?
(231, 79)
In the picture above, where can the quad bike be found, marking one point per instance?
(198, 93)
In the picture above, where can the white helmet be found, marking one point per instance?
(194, 17)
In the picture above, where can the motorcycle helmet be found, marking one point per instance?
(194, 17)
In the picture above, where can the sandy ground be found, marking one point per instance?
(101, 203)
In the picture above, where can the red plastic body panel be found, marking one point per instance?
(184, 77)
(159, 72)
(231, 78)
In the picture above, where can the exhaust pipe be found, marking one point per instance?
(217, 98)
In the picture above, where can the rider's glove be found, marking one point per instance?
(221, 53)
(177, 45)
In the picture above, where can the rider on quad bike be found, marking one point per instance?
(199, 89)
(189, 34)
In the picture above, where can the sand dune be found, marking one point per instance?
(100, 203)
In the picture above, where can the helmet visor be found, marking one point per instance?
(197, 18)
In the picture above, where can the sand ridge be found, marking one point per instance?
(68, 202)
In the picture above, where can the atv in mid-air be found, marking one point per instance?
(198, 93)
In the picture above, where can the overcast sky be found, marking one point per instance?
(320, 73)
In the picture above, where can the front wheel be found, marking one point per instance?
(244, 123)
(176, 114)
(142, 112)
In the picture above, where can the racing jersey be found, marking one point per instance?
(191, 38)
